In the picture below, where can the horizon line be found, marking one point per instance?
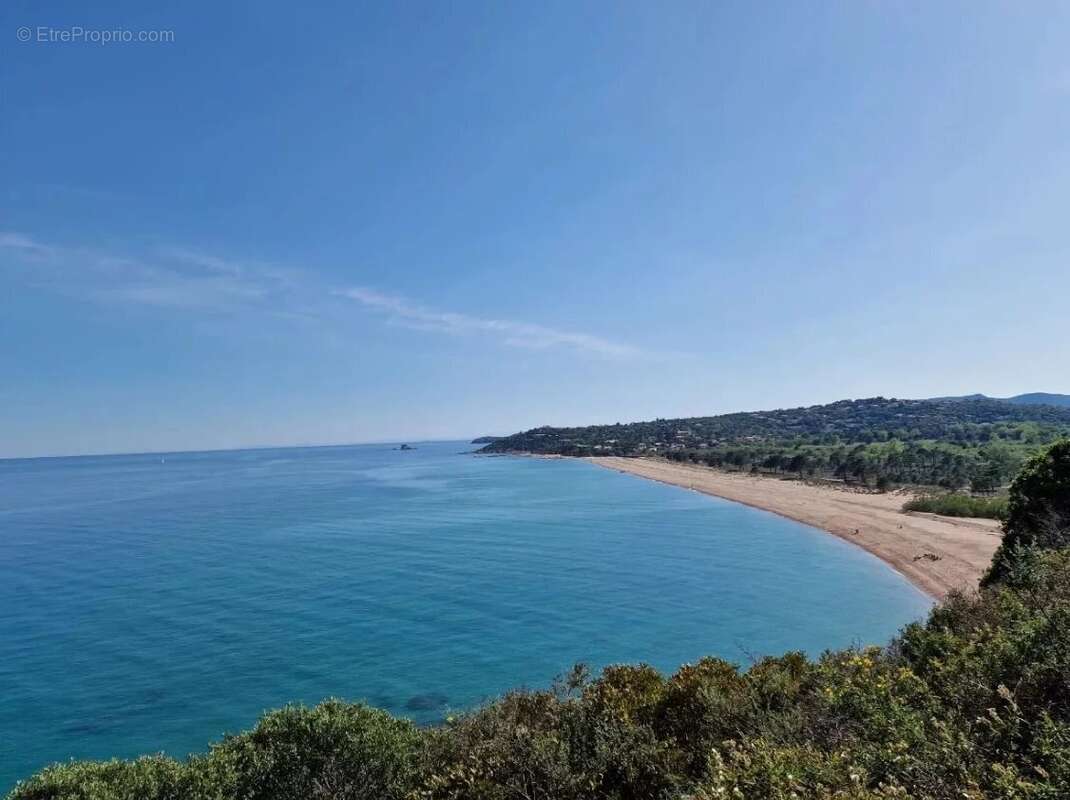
(245, 448)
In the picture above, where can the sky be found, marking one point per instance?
(406, 221)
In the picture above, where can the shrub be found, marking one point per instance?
(334, 751)
(1038, 510)
(146, 778)
(959, 505)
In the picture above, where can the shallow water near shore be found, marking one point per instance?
(151, 603)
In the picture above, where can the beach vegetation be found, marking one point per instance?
(959, 505)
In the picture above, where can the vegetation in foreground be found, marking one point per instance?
(973, 443)
(972, 704)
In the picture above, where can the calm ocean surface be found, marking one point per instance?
(150, 604)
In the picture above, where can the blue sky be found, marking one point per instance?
(403, 221)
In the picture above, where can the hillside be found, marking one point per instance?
(1030, 399)
(976, 442)
(847, 421)
(1041, 398)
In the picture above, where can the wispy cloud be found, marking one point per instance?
(184, 279)
(165, 277)
(22, 243)
(509, 332)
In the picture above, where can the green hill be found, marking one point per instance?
(1041, 398)
(1030, 399)
(951, 442)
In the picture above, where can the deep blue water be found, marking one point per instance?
(150, 604)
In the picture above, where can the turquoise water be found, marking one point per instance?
(152, 603)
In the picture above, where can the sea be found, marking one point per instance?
(152, 603)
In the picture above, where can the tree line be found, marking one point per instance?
(982, 469)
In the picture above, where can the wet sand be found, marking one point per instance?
(937, 554)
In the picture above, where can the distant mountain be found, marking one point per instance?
(486, 439)
(1030, 399)
(1040, 399)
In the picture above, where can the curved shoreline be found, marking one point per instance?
(936, 554)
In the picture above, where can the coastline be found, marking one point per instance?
(936, 554)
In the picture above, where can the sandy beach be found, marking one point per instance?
(937, 554)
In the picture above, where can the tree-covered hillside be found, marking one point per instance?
(1041, 398)
(1028, 399)
(974, 442)
(973, 704)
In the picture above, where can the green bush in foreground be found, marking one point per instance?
(959, 505)
(336, 750)
(1038, 511)
(972, 704)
